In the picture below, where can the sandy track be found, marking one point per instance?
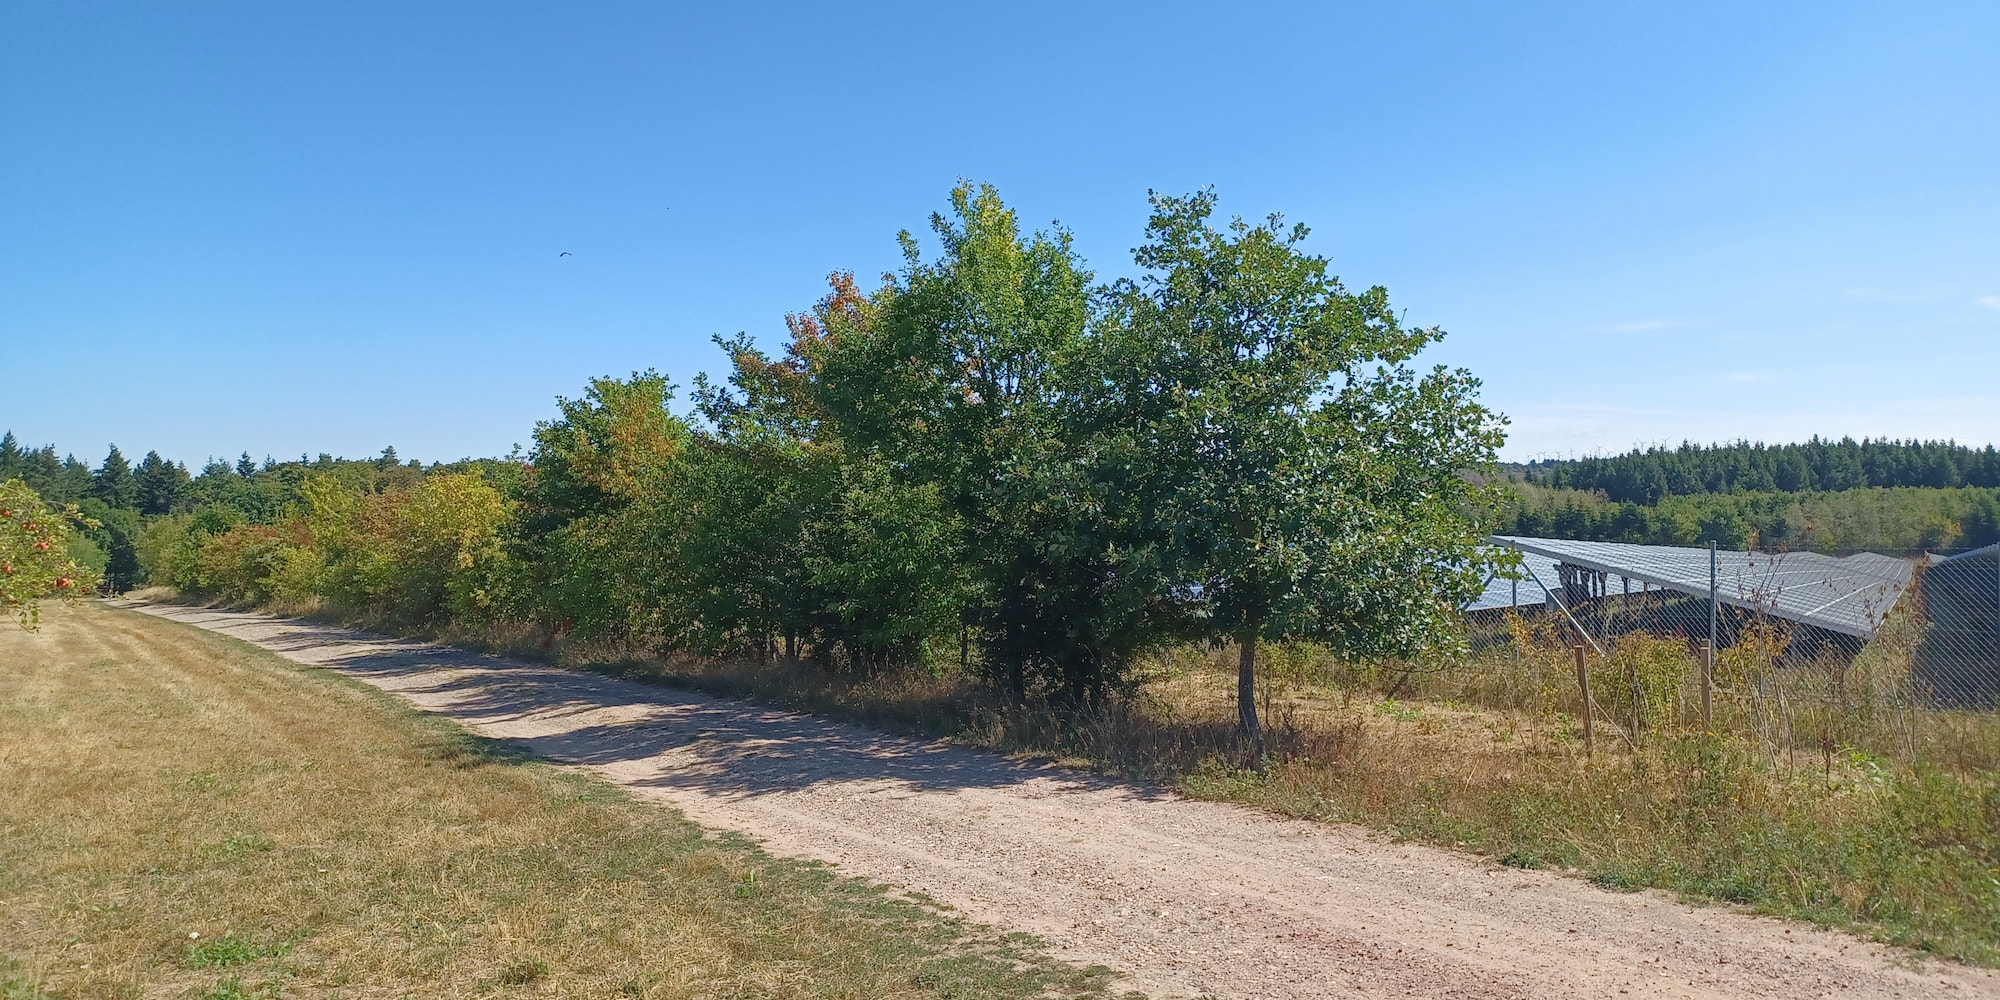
(1189, 898)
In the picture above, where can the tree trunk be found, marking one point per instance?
(1246, 690)
(791, 647)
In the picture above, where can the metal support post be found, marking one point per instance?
(1713, 600)
(1583, 685)
(1707, 685)
(1708, 648)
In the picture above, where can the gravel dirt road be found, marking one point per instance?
(1188, 898)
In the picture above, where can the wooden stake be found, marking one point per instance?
(1583, 685)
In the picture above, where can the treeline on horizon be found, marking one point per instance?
(1648, 476)
(1892, 520)
(992, 460)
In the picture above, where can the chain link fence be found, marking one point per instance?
(1954, 612)
(1816, 653)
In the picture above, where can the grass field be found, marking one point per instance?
(182, 815)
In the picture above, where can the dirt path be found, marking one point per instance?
(1190, 898)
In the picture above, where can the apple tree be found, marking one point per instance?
(37, 553)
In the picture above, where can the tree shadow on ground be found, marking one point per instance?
(656, 737)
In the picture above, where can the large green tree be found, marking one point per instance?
(971, 374)
(1308, 485)
(858, 550)
(1230, 448)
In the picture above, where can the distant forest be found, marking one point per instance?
(1646, 477)
(1892, 520)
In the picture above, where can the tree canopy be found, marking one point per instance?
(990, 457)
(1229, 448)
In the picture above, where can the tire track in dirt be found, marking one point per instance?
(1189, 898)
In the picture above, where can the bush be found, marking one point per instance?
(169, 551)
(414, 556)
(417, 556)
(258, 564)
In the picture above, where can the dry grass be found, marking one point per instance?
(1826, 790)
(182, 815)
(1824, 794)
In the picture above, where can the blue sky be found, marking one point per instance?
(290, 228)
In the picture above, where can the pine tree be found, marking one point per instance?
(244, 466)
(112, 482)
(58, 480)
(10, 458)
(160, 484)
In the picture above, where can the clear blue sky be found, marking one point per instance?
(290, 228)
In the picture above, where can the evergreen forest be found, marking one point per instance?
(1893, 497)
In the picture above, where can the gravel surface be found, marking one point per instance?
(1187, 898)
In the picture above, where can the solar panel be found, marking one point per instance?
(1505, 591)
(1850, 595)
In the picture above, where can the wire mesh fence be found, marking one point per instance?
(1954, 613)
(1807, 654)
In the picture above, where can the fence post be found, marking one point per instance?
(1638, 703)
(1583, 685)
(1708, 657)
(1712, 596)
(1707, 685)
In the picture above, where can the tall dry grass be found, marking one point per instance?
(1825, 789)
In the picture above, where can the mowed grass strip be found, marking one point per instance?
(183, 815)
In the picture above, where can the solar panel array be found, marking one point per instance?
(1850, 595)
(1517, 587)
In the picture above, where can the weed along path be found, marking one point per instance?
(1189, 898)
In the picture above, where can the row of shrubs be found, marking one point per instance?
(411, 556)
(988, 461)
